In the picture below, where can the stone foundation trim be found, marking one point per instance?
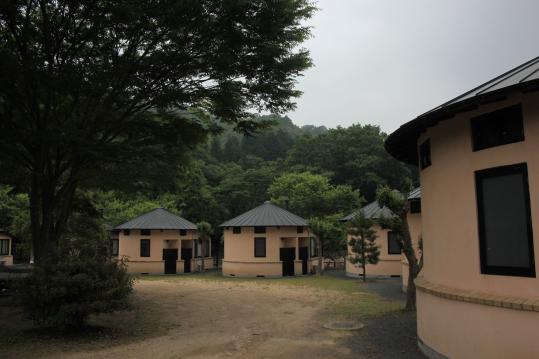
(526, 304)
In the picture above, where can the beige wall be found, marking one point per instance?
(129, 247)
(7, 259)
(451, 244)
(389, 264)
(239, 259)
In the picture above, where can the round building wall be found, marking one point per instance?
(463, 313)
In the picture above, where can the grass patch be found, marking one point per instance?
(345, 298)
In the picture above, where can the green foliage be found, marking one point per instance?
(205, 230)
(108, 94)
(63, 293)
(362, 241)
(312, 195)
(331, 233)
(354, 156)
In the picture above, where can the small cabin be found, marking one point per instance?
(161, 242)
(390, 259)
(269, 241)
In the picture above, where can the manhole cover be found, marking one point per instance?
(343, 325)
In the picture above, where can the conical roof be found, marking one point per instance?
(158, 218)
(266, 214)
(402, 143)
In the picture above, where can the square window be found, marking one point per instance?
(145, 232)
(415, 205)
(260, 229)
(424, 154)
(504, 221)
(127, 232)
(183, 232)
(236, 230)
(300, 229)
(497, 128)
(260, 247)
(144, 247)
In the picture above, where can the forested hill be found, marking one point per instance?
(318, 172)
(325, 171)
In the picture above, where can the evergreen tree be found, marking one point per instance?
(362, 242)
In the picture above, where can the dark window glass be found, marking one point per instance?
(127, 232)
(415, 206)
(504, 222)
(144, 247)
(114, 247)
(145, 232)
(197, 252)
(207, 249)
(260, 247)
(183, 232)
(300, 229)
(393, 243)
(260, 229)
(236, 230)
(497, 128)
(4, 247)
(424, 154)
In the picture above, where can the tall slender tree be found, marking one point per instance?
(114, 92)
(399, 225)
(362, 242)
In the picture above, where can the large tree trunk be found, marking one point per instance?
(50, 207)
(413, 266)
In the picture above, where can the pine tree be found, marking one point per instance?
(362, 242)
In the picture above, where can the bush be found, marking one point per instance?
(63, 293)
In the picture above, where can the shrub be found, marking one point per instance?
(64, 292)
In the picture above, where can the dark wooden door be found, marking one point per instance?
(170, 256)
(304, 256)
(287, 256)
(187, 254)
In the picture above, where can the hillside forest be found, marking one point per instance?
(318, 173)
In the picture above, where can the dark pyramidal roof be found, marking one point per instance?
(372, 210)
(267, 214)
(402, 144)
(158, 218)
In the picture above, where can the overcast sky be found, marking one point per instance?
(385, 62)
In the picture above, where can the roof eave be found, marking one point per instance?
(402, 143)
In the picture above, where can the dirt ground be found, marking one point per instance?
(193, 318)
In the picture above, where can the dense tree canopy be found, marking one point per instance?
(114, 93)
(354, 156)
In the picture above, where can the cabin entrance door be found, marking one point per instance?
(304, 256)
(187, 254)
(170, 256)
(287, 256)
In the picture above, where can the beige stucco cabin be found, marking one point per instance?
(161, 242)
(6, 248)
(268, 241)
(390, 259)
(478, 154)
